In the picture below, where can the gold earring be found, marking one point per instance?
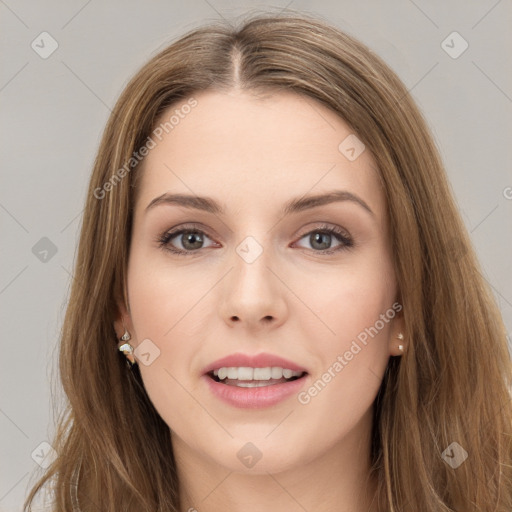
(126, 348)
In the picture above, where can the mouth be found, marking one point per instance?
(251, 377)
(254, 380)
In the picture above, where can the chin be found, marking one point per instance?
(258, 455)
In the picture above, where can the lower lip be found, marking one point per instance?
(254, 398)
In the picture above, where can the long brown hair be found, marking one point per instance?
(451, 386)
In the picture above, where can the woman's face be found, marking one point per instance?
(261, 281)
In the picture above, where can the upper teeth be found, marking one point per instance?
(247, 373)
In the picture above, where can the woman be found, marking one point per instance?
(270, 245)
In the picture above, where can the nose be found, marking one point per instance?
(253, 294)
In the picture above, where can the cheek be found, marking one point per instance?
(346, 301)
(160, 295)
(161, 306)
(351, 331)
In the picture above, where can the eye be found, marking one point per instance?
(190, 238)
(322, 237)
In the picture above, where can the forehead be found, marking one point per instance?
(248, 150)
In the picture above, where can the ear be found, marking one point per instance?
(397, 328)
(122, 319)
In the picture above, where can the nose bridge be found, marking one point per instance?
(251, 261)
(252, 291)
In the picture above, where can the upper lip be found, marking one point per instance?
(253, 361)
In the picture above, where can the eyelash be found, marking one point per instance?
(347, 242)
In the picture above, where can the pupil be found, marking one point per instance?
(190, 238)
(318, 236)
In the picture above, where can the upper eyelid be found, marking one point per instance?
(200, 228)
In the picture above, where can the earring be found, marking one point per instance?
(126, 348)
(400, 336)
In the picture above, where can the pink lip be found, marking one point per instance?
(254, 361)
(254, 398)
(258, 397)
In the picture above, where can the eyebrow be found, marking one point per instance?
(295, 205)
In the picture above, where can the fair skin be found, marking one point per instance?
(253, 154)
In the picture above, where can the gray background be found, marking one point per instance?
(54, 111)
